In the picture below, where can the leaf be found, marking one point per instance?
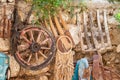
(117, 17)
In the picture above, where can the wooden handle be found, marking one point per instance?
(6, 29)
(4, 21)
(59, 27)
(9, 28)
(46, 25)
(52, 27)
(63, 22)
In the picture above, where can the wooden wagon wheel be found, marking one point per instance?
(61, 47)
(36, 48)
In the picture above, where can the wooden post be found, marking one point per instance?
(86, 31)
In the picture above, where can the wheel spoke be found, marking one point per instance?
(36, 56)
(23, 47)
(43, 55)
(31, 36)
(24, 52)
(45, 48)
(43, 42)
(30, 56)
(38, 38)
(26, 39)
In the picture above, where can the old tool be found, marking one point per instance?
(100, 72)
(32, 46)
(73, 31)
(64, 60)
(64, 54)
(36, 48)
(94, 37)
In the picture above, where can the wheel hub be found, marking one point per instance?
(35, 47)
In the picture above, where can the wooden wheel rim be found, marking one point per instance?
(38, 64)
(57, 44)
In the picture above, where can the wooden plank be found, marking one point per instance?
(100, 29)
(93, 31)
(81, 37)
(85, 31)
(106, 29)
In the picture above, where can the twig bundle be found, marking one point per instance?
(64, 66)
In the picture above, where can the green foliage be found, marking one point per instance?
(81, 6)
(117, 17)
(118, 26)
(42, 8)
(114, 1)
(45, 7)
